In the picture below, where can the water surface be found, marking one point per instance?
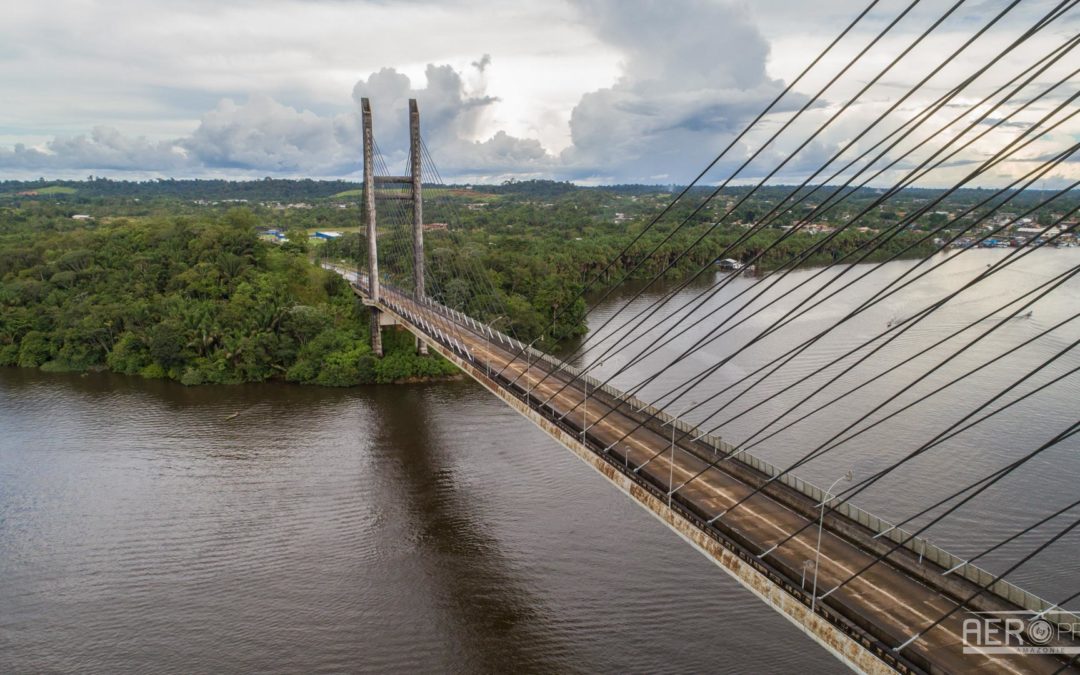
(410, 528)
(431, 528)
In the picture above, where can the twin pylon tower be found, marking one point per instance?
(415, 195)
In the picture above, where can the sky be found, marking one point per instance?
(593, 91)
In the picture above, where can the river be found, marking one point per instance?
(428, 527)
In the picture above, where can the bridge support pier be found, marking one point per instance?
(375, 326)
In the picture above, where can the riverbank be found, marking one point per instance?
(198, 302)
(200, 299)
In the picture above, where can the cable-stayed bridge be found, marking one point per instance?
(875, 592)
(629, 443)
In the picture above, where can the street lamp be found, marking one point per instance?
(671, 464)
(491, 325)
(585, 412)
(528, 369)
(585, 426)
(807, 564)
(821, 521)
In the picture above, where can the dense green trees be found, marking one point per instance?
(198, 302)
(166, 280)
(279, 189)
(533, 276)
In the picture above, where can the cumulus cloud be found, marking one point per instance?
(266, 136)
(104, 148)
(691, 76)
(682, 77)
(452, 121)
(483, 63)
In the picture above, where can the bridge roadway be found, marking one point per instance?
(886, 602)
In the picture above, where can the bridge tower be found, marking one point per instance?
(372, 237)
(416, 196)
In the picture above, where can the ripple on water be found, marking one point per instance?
(404, 528)
(432, 528)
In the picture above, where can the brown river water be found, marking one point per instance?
(428, 527)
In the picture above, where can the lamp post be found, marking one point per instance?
(671, 464)
(493, 332)
(528, 369)
(585, 412)
(821, 521)
(807, 564)
(585, 400)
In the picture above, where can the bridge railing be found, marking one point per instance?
(920, 546)
(917, 545)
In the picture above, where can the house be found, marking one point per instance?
(1037, 231)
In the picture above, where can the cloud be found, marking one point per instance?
(692, 74)
(483, 63)
(104, 148)
(452, 122)
(618, 90)
(265, 136)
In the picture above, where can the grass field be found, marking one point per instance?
(42, 191)
(312, 230)
(430, 192)
(348, 193)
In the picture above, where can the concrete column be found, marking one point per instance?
(417, 198)
(369, 210)
(418, 208)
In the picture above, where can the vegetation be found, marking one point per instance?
(527, 256)
(193, 301)
(57, 190)
(169, 278)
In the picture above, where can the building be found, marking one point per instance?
(1037, 231)
(327, 235)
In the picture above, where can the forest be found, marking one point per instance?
(174, 279)
(192, 300)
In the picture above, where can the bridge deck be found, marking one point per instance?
(889, 603)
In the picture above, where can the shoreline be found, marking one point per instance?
(98, 371)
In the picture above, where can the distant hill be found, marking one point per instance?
(267, 189)
(296, 190)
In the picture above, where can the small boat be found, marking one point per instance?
(232, 416)
(729, 264)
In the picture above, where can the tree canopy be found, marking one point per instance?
(194, 301)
